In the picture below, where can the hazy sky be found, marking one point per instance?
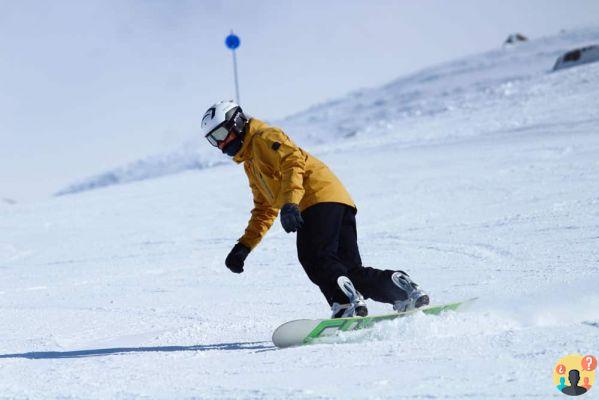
(90, 84)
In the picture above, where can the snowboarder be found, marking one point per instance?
(312, 202)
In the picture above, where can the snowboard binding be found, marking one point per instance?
(416, 297)
(356, 306)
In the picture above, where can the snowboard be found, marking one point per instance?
(305, 331)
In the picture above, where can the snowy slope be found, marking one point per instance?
(442, 89)
(122, 292)
(449, 89)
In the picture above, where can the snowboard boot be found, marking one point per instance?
(356, 306)
(416, 297)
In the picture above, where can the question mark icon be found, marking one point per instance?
(589, 362)
(560, 369)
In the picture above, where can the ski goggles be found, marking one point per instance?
(216, 136)
(220, 133)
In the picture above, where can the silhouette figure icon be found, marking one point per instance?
(574, 389)
(562, 383)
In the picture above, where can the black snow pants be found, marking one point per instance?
(327, 248)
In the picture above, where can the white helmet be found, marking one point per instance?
(222, 118)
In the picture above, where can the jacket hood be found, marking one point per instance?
(254, 126)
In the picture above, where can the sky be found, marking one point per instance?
(91, 85)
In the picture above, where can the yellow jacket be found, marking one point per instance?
(280, 172)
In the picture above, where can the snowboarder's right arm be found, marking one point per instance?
(263, 216)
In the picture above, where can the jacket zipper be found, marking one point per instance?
(264, 185)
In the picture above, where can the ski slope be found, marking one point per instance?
(479, 177)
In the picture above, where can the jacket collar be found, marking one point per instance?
(254, 126)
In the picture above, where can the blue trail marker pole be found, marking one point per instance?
(232, 41)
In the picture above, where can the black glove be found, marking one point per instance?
(291, 219)
(236, 258)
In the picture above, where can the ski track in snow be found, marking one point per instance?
(491, 193)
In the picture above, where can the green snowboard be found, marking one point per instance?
(306, 331)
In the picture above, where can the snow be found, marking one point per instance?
(478, 177)
(444, 89)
